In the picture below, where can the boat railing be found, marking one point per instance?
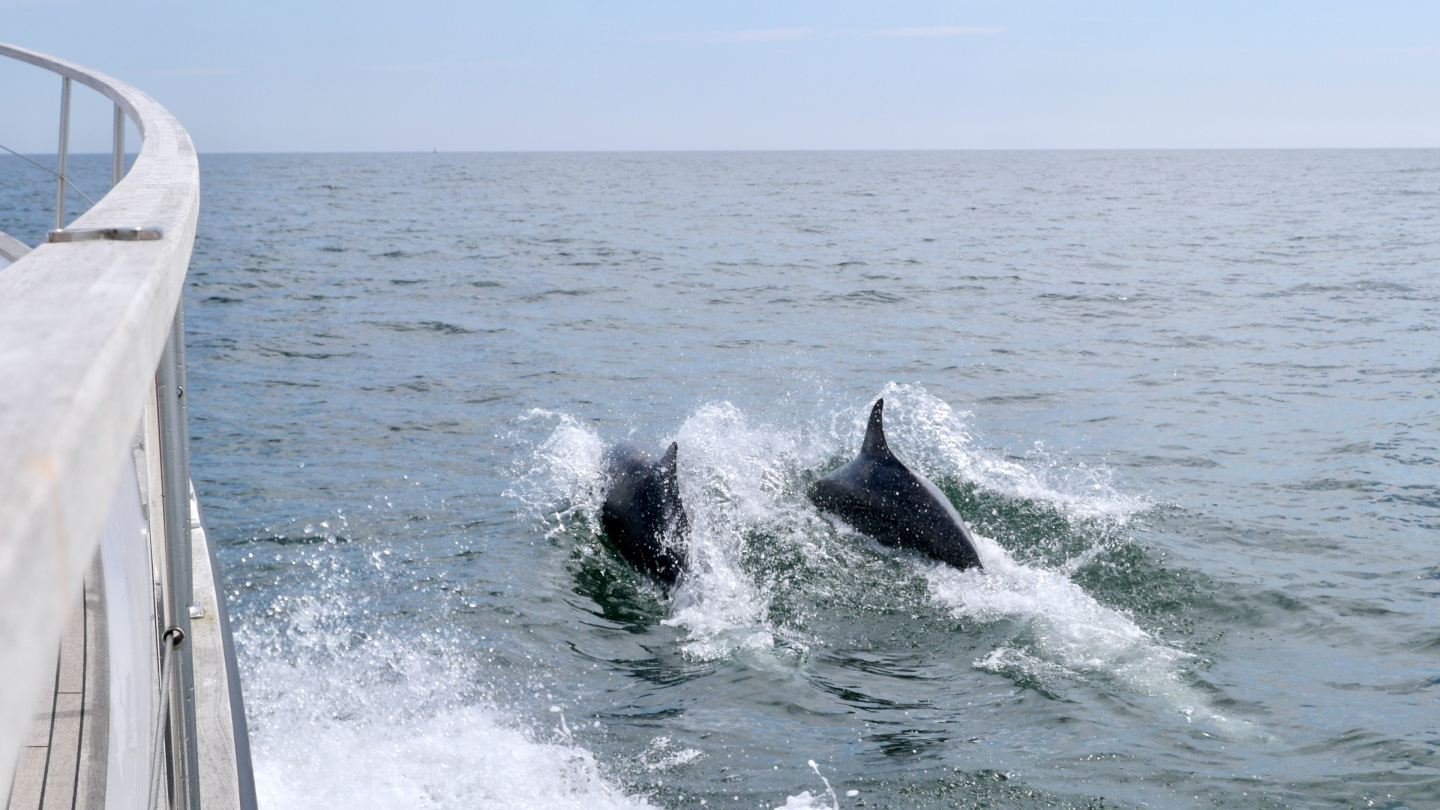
(92, 355)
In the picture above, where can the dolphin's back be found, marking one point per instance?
(881, 497)
(642, 515)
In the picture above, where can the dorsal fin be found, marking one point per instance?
(875, 432)
(668, 461)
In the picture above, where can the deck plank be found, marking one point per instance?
(64, 753)
(39, 733)
(72, 651)
(29, 778)
(95, 731)
(214, 727)
(63, 763)
(27, 790)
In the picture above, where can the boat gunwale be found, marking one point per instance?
(82, 329)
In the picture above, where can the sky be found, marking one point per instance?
(381, 75)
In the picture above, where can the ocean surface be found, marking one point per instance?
(1188, 400)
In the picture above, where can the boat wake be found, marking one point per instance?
(340, 718)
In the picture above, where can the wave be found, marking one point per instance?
(341, 718)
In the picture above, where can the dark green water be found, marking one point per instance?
(1188, 399)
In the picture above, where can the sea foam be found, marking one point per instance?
(339, 718)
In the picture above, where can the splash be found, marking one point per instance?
(342, 719)
(1060, 634)
(735, 480)
(743, 483)
(807, 801)
(564, 482)
(732, 478)
(663, 755)
(939, 441)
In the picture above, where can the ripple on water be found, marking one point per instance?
(1198, 447)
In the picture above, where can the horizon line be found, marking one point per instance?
(780, 150)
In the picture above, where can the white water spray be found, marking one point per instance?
(738, 479)
(387, 723)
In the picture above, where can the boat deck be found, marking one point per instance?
(64, 759)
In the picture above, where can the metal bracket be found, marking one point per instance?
(137, 234)
(197, 610)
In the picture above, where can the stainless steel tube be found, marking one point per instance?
(64, 152)
(118, 150)
(175, 481)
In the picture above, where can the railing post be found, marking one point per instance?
(119, 145)
(64, 152)
(175, 483)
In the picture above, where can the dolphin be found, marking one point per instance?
(880, 496)
(643, 516)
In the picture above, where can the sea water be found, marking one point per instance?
(1186, 400)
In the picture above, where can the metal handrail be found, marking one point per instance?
(84, 328)
(106, 86)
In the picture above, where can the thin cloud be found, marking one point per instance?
(792, 34)
(413, 68)
(191, 71)
(756, 35)
(939, 31)
(1387, 50)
